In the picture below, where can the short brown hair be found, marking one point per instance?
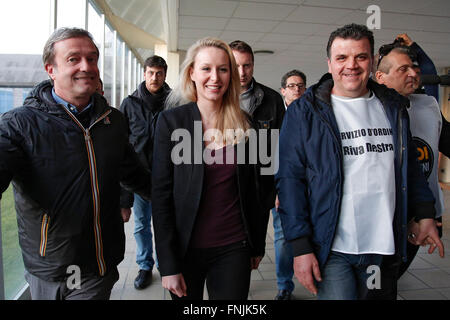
(61, 34)
(242, 46)
(155, 61)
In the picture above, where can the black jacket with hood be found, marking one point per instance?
(66, 174)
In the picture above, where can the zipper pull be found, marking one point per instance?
(87, 135)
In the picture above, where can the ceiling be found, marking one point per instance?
(296, 30)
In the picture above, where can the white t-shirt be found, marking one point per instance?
(368, 200)
(426, 125)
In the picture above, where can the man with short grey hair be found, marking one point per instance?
(66, 152)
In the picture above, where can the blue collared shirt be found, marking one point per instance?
(69, 106)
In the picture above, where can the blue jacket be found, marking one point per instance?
(310, 176)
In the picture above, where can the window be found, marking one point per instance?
(118, 71)
(6, 99)
(71, 13)
(25, 26)
(109, 58)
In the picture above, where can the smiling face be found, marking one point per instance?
(350, 64)
(74, 70)
(402, 75)
(154, 78)
(211, 74)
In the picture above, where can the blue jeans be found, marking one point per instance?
(283, 256)
(344, 276)
(143, 233)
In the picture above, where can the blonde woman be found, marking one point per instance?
(208, 223)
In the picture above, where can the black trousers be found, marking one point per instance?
(226, 271)
(388, 277)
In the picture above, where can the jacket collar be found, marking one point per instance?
(154, 101)
(41, 98)
(258, 93)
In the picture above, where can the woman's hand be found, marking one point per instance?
(175, 284)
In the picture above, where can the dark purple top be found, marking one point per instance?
(219, 220)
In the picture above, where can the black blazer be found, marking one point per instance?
(177, 190)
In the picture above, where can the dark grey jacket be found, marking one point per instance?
(269, 112)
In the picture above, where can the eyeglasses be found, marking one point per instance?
(293, 85)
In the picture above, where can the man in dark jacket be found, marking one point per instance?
(66, 152)
(141, 110)
(266, 108)
(348, 180)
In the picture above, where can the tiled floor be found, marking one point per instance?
(427, 278)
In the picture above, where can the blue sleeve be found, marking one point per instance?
(426, 66)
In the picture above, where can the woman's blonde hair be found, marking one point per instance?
(230, 115)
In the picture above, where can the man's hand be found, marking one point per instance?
(305, 266)
(126, 213)
(425, 233)
(175, 284)
(406, 40)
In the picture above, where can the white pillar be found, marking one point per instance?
(122, 73)
(173, 63)
(114, 73)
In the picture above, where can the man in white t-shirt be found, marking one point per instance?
(396, 70)
(348, 180)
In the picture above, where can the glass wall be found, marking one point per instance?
(22, 68)
(65, 13)
(109, 59)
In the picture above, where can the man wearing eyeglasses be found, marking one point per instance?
(396, 70)
(293, 85)
(348, 181)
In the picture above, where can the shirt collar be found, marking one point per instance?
(69, 106)
(249, 90)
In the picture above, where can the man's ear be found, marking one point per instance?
(283, 91)
(329, 65)
(51, 70)
(379, 77)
